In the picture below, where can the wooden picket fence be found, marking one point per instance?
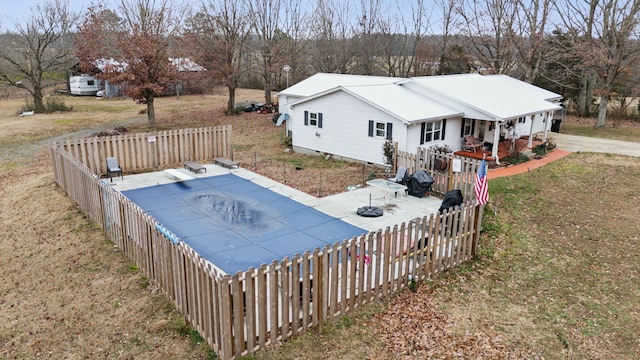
(145, 151)
(240, 314)
(440, 166)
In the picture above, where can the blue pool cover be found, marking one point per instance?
(236, 224)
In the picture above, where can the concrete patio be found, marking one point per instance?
(342, 206)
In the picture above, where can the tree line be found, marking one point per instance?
(586, 50)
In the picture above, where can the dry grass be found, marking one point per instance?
(558, 275)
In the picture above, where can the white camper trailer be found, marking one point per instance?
(84, 85)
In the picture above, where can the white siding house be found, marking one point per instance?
(351, 116)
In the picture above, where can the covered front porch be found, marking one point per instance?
(505, 148)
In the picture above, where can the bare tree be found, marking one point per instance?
(450, 20)
(488, 27)
(40, 49)
(399, 37)
(291, 45)
(137, 36)
(329, 35)
(366, 42)
(532, 20)
(265, 21)
(606, 32)
(218, 34)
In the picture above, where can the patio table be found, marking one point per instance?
(388, 188)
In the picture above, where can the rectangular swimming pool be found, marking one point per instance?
(236, 224)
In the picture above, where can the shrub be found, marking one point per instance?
(515, 159)
(540, 150)
(287, 141)
(444, 148)
(389, 150)
(53, 105)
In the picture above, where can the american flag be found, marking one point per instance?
(481, 186)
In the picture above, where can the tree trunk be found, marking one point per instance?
(37, 100)
(151, 113)
(267, 90)
(602, 111)
(581, 106)
(231, 104)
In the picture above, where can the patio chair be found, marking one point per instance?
(113, 167)
(471, 143)
(400, 175)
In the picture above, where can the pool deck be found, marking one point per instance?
(342, 206)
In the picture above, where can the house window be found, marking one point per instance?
(380, 129)
(432, 131)
(468, 127)
(313, 119)
(521, 120)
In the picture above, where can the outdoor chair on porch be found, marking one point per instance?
(471, 143)
(113, 167)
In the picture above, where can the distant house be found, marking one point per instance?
(84, 84)
(351, 116)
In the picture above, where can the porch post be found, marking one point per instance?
(547, 125)
(530, 142)
(496, 141)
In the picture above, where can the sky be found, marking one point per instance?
(12, 11)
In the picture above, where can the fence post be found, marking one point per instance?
(319, 288)
(477, 224)
(450, 182)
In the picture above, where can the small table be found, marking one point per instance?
(387, 187)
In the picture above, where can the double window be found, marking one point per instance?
(380, 129)
(432, 131)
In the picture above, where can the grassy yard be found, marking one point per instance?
(615, 129)
(557, 276)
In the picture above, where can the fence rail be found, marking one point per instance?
(144, 151)
(440, 166)
(239, 314)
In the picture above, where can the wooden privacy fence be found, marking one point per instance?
(144, 151)
(239, 314)
(439, 165)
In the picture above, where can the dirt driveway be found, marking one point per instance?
(576, 143)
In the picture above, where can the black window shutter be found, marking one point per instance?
(473, 126)
(320, 120)
(389, 131)
(370, 128)
(444, 127)
(306, 118)
(422, 133)
(462, 128)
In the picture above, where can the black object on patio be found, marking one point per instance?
(419, 183)
(451, 199)
(369, 211)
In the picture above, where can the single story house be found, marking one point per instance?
(351, 116)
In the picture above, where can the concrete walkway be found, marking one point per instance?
(565, 145)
